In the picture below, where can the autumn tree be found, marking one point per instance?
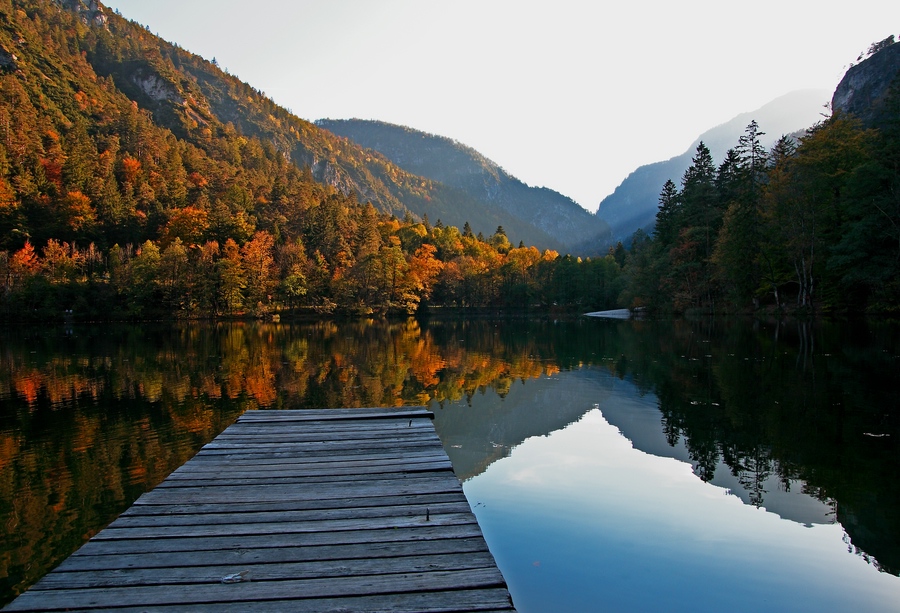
(231, 278)
(293, 265)
(143, 290)
(173, 277)
(259, 270)
(60, 262)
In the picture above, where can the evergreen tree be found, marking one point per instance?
(738, 248)
(728, 180)
(690, 279)
(780, 193)
(667, 217)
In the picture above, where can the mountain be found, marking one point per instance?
(82, 82)
(635, 201)
(462, 168)
(194, 98)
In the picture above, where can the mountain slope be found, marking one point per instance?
(460, 167)
(83, 161)
(71, 53)
(634, 203)
(198, 102)
(195, 99)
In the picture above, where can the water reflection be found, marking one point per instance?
(580, 520)
(800, 421)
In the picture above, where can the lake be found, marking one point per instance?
(700, 465)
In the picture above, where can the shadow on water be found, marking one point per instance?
(802, 420)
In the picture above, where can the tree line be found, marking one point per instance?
(810, 225)
(348, 259)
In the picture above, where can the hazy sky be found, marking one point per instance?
(568, 95)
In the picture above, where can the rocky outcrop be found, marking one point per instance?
(156, 88)
(865, 86)
(8, 60)
(91, 12)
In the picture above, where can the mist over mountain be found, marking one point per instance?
(635, 201)
(535, 209)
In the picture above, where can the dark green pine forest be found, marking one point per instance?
(138, 180)
(813, 225)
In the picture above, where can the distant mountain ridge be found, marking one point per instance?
(634, 203)
(460, 167)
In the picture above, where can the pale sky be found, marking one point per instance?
(567, 95)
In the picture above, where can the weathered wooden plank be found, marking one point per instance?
(411, 425)
(378, 412)
(267, 471)
(305, 505)
(274, 555)
(250, 591)
(402, 484)
(113, 532)
(310, 454)
(399, 425)
(321, 430)
(339, 480)
(235, 457)
(197, 469)
(338, 414)
(307, 457)
(225, 517)
(329, 446)
(333, 477)
(214, 573)
(452, 601)
(323, 446)
(306, 539)
(250, 438)
(284, 493)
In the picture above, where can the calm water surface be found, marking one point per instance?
(616, 466)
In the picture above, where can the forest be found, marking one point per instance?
(106, 214)
(812, 226)
(110, 210)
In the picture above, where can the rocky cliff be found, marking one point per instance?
(864, 89)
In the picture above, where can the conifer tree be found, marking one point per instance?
(737, 252)
(668, 215)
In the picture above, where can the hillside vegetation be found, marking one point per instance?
(139, 180)
(811, 224)
(535, 212)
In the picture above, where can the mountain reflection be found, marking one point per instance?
(801, 420)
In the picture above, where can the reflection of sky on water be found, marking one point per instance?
(582, 520)
(638, 419)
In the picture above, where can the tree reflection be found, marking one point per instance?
(803, 402)
(92, 417)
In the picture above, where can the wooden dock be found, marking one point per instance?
(327, 510)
